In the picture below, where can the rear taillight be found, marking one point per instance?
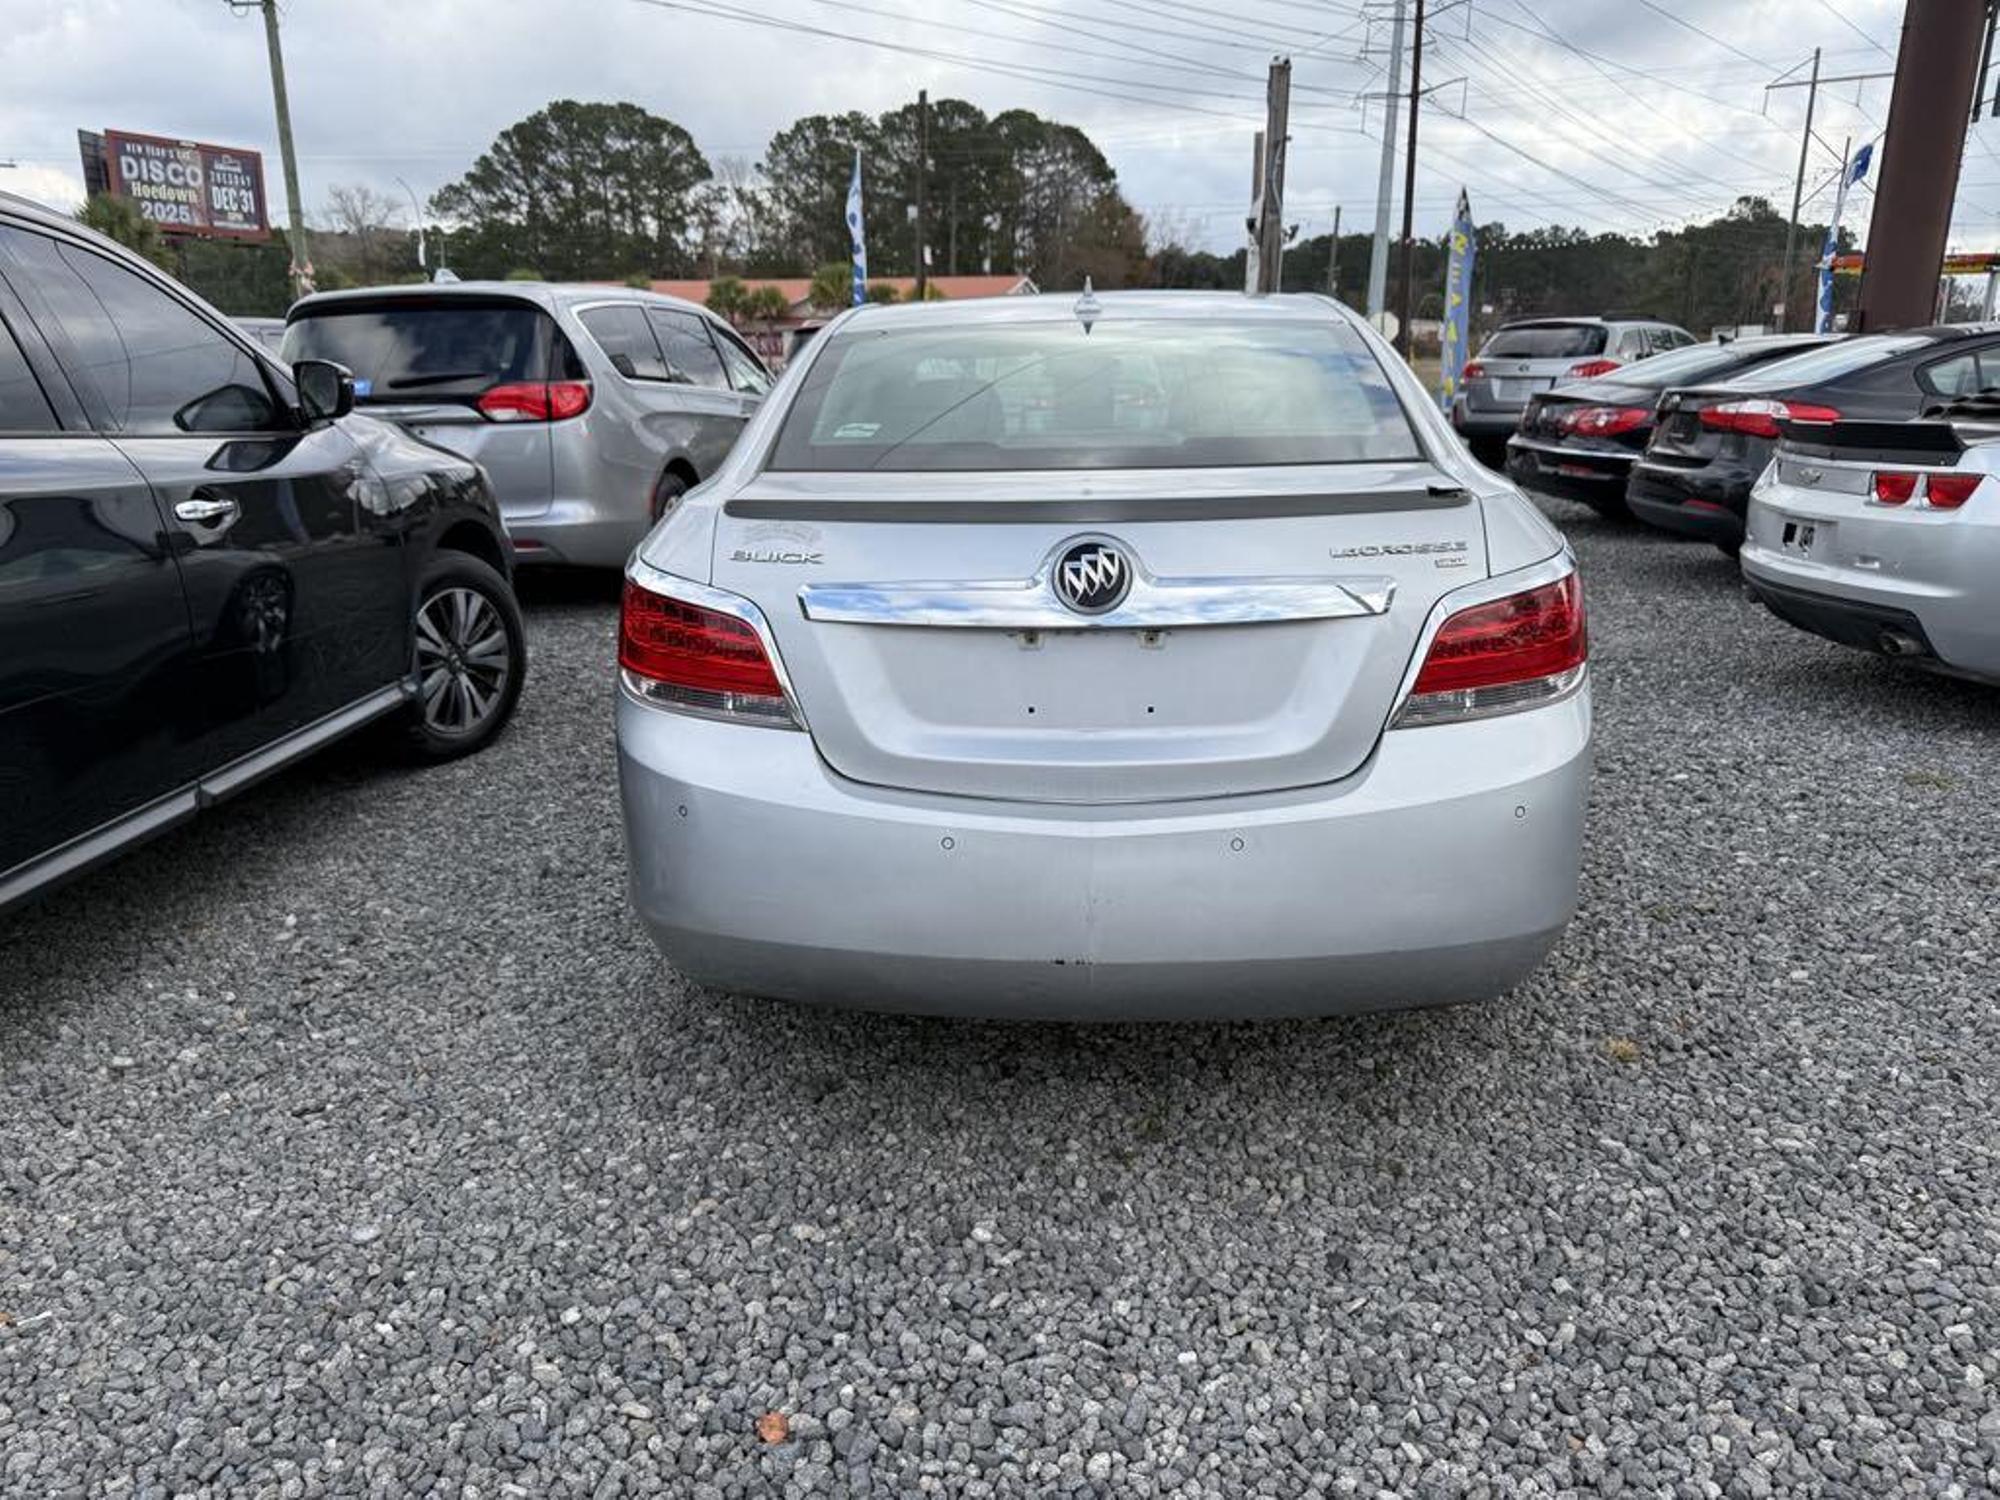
(1939, 491)
(1473, 370)
(1590, 369)
(1894, 489)
(536, 400)
(1759, 417)
(1507, 654)
(1950, 491)
(1604, 421)
(704, 654)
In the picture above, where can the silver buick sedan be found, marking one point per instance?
(1157, 654)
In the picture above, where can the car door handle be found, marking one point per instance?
(202, 508)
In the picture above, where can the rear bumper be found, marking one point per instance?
(1702, 503)
(1596, 478)
(1876, 575)
(1481, 423)
(585, 532)
(1440, 872)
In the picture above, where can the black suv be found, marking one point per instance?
(208, 566)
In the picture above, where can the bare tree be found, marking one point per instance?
(368, 221)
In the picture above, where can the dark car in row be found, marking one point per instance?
(1581, 440)
(1714, 439)
(1680, 439)
(209, 566)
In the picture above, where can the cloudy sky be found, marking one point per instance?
(1610, 114)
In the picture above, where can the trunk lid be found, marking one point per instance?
(1274, 613)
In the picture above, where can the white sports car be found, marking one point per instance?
(1885, 536)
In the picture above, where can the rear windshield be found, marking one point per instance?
(1683, 366)
(1829, 363)
(1144, 395)
(412, 350)
(1547, 341)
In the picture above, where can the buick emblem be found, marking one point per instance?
(1093, 578)
(1811, 476)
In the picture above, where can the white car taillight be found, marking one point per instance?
(1507, 654)
(702, 654)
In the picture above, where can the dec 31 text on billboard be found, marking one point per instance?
(189, 187)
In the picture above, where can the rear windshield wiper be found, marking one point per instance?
(446, 377)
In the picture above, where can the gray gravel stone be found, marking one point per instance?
(447, 1185)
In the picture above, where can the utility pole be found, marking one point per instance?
(1937, 68)
(1410, 183)
(1333, 258)
(1385, 186)
(1253, 275)
(1271, 202)
(923, 173)
(301, 256)
(1784, 307)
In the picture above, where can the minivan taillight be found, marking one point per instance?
(681, 654)
(1502, 656)
(535, 400)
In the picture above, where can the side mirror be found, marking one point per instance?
(326, 390)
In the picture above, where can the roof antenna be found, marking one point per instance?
(1088, 309)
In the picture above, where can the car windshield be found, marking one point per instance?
(1829, 363)
(1546, 341)
(1167, 393)
(407, 349)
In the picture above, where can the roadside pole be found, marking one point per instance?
(1253, 276)
(301, 269)
(1333, 258)
(1798, 193)
(1937, 68)
(1271, 202)
(923, 172)
(1385, 185)
(1410, 184)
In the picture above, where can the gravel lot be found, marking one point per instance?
(357, 1142)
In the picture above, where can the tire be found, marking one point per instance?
(666, 495)
(465, 696)
(1730, 550)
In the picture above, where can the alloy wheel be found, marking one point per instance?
(463, 659)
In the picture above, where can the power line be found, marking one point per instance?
(1028, 72)
(1841, 16)
(1727, 46)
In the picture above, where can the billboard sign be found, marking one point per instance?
(189, 187)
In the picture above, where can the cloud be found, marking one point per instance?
(388, 89)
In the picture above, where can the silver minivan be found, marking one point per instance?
(1520, 360)
(593, 409)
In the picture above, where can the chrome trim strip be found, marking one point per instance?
(87, 850)
(68, 860)
(1561, 452)
(254, 767)
(1152, 604)
(723, 602)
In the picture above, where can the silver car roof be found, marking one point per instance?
(551, 296)
(1056, 307)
